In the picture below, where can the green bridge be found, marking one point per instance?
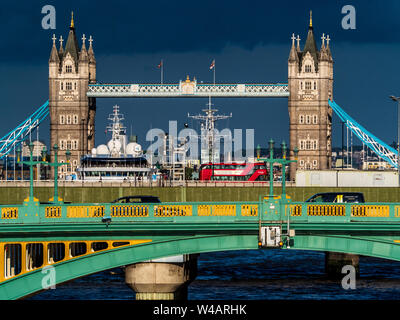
(71, 240)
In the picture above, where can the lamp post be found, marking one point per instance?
(397, 99)
(30, 163)
(57, 164)
(54, 164)
(282, 161)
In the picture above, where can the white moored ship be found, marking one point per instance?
(119, 160)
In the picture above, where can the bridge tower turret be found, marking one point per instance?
(310, 80)
(72, 113)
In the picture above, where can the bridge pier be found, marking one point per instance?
(335, 261)
(162, 279)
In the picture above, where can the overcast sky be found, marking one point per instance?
(250, 41)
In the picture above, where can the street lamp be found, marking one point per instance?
(397, 99)
(30, 163)
(283, 162)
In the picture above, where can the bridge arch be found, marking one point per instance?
(31, 283)
(364, 246)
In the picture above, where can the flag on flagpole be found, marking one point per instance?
(160, 65)
(212, 65)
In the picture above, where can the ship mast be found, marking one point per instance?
(208, 134)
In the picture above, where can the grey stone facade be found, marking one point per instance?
(72, 113)
(310, 79)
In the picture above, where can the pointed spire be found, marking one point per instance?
(310, 45)
(323, 55)
(61, 50)
(298, 43)
(54, 54)
(72, 46)
(90, 51)
(72, 21)
(328, 50)
(293, 53)
(83, 55)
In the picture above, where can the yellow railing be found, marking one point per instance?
(9, 213)
(369, 211)
(53, 212)
(326, 210)
(216, 210)
(129, 211)
(295, 210)
(172, 210)
(85, 211)
(249, 210)
(23, 257)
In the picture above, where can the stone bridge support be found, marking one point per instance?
(335, 261)
(162, 279)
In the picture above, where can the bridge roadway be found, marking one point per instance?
(80, 239)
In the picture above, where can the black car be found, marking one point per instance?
(339, 197)
(138, 199)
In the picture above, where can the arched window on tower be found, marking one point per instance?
(68, 68)
(307, 68)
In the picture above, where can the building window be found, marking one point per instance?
(315, 163)
(69, 144)
(302, 163)
(62, 85)
(307, 68)
(68, 119)
(315, 119)
(68, 68)
(301, 85)
(75, 119)
(315, 85)
(62, 144)
(62, 119)
(309, 144)
(301, 119)
(308, 119)
(75, 144)
(308, 85)
(68, 85)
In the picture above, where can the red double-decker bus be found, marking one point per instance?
(233, 172)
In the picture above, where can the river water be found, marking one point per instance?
(251, 275)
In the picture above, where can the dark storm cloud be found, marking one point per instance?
(127, 27)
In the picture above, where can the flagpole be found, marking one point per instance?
(162, 70)
(214, 72)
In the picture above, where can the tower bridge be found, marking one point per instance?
(74, 88)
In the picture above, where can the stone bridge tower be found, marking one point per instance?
(310, 79)
(72, 113)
